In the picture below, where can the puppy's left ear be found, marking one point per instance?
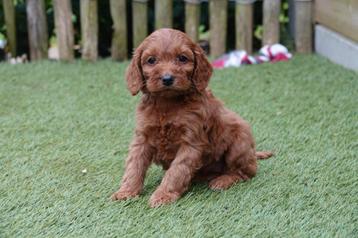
(134, 74)
(203, 69)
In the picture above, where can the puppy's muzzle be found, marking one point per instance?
(167, 79)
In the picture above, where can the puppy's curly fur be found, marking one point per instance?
(180, 124)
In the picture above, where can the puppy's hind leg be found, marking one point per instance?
(224, 181)
(263, 154)
(240, 163)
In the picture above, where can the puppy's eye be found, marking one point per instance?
(182, 59)
(151, 60)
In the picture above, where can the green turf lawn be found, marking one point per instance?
(58, 119)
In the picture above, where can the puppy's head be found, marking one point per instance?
(168, 63)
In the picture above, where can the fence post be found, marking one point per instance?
(119, 38)
(140, 21)
(89, 29)
(163, 14)
(64, 29)
(192, 19)
(303, 26)
(218, 24)
(244, 24)
(9, 12)
(271, 12)
(37, 29)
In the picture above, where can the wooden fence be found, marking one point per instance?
(38, 35)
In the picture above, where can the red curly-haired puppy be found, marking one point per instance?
(180, 124)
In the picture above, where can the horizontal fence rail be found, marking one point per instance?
(218, 15)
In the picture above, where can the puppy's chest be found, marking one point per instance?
(165, 135)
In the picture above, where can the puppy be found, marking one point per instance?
(180, 124)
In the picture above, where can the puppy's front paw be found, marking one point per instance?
(161, 198)
(124, 195)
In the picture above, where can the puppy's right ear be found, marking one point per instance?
(134, 75)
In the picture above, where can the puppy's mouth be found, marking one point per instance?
(170, 85)
(169, 93)
(168, 89)
(172, 90)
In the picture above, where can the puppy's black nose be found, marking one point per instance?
(168, 79)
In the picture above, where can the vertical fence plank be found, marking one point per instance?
(9, 12)
(244, 24)
(192, 19)
(89, 29)
(163, 14)
(303, 26)
(218, 24)
(271, 11)
(37, 29)
(140, 21)
(64, 29)
(119, 39)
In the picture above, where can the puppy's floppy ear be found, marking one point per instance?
(203, 69)
(134, 75)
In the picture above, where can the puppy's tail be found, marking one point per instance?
(263, 154)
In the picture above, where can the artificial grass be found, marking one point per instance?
(58, 119)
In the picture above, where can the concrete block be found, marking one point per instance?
(336, 47)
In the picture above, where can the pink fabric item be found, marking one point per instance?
(219, 63)
(268, 53)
